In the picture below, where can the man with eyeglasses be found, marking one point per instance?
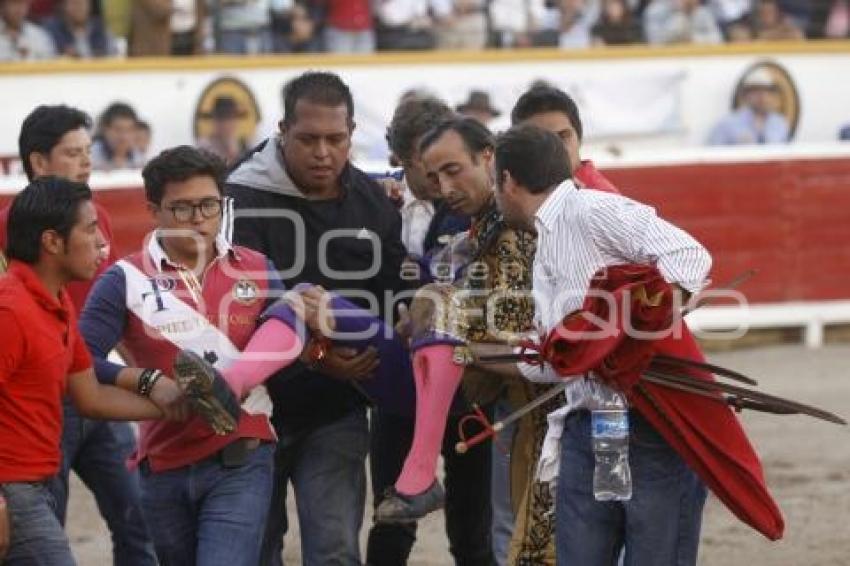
(205, 491)
(55, 140)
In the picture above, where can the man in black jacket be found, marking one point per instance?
(322, 221)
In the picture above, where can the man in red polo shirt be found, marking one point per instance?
(55, 140)
(52, 239)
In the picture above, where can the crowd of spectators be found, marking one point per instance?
(40, 29)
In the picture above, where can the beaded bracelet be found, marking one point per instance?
(147, 380)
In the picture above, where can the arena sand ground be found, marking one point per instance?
(807, 464)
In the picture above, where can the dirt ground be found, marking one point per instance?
(807, 463)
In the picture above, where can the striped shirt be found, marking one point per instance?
(582, 231)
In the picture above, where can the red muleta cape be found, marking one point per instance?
(707, 434)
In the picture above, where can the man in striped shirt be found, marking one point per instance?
(579, 232)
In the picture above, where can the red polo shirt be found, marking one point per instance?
(40, 347)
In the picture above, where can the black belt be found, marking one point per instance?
(234, 455)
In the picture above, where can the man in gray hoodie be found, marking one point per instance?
(321, 220)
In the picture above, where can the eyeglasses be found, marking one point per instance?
(185, 211)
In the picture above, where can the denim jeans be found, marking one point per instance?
(97, 451)
(208, 514)
(37, 538)
(659, 526)
(327, 469)
(467, 481)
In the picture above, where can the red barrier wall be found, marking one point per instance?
(789, 219)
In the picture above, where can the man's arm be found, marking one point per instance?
(102, 324)
(97, 401)
(631, 231)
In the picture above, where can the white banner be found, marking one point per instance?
(627, 102)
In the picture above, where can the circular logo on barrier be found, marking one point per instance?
(775, 78)
(227, 99)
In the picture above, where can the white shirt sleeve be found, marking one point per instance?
(623, 228)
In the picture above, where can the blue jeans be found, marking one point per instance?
(208, 514)
(659, 526)
(327, 468)
(97, 451)
(37, 538)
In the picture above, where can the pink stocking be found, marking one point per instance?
(273, 346)
(437, 378)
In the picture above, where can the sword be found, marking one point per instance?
(491, 430)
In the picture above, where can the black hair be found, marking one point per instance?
(319, 87)
(115, 111)
(539, 99)
(47, 203)
(44, 127)
(180, 164)
(411, 120)
(475, 135)
(143, 125)
(535, 158)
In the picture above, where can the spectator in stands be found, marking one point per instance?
(466, 28)
(115, 144)
(654, 14)
(295, 28)
(478, 106)
(837, 25)
(740, 31)
(243, 26)
(756, 121)
(187, 26)
(349, 27)
(409, 24)
(513, 22)
(729, 12)
(576, 18)
(690, 22)
(150, 28)
(225, 141)
(772, 24)
(21, 40)
(616, 25)
(76, 33)
(42, 9)
(143, 139)
(116, 16)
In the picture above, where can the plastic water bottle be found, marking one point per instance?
(612, 478)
